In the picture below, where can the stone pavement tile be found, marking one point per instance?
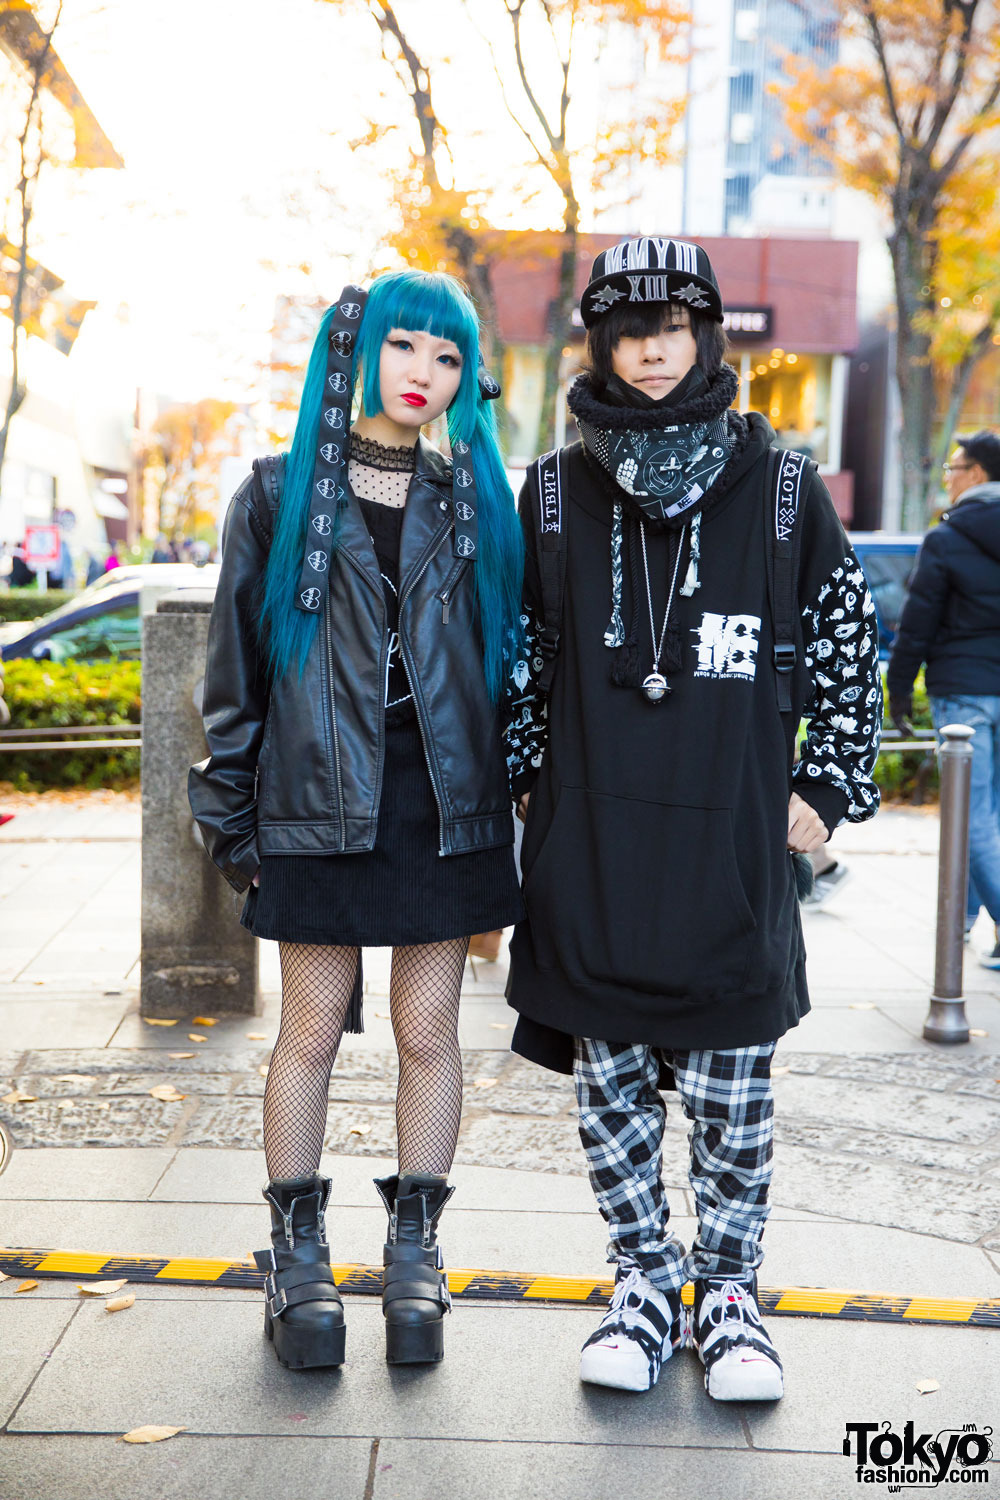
(590, 1470)
(563, 1244)
(221, 1176)
(213, 1468)
(211, 1369)
(91, 1122)
(69, 1172)
(868, 1258)
(840, 1372)
(476, 1029)
(982, 1011)
(31, 1331)
(888, 1193)
(830, 1028)
(930, 1115)
(89, 1022)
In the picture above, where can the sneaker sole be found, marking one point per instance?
(608, 1367)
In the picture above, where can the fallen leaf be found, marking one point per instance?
(256, 1036)
(65, 1103)
(80, 1078)
(975, 1031)
(99, 1103)
(203, 1021)
(150, 1434)
(16, 1097)
(484, 1083)
(101, 1288)
(381, 1015)
(499, 1026)
(776, 1072)
(925, 1387)
(119, 1304)
(156, 1021)
(178, 1055)
(262, 1070)
(26, 1286)
(167, 1093)
(359, 1130)
(4, 1276)
(861, 1005)
(194, 1037)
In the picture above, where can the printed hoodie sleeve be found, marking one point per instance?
(222, 790)
(843, 705)
(525, 731)
(920, 621)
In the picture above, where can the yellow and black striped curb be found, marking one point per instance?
(497, 1286)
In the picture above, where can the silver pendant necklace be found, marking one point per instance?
(655, 685)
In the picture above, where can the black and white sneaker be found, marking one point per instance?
(741, 1363)
(640, 1330)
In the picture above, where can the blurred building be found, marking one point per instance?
(69, 449)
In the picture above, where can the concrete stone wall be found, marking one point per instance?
(196, 958)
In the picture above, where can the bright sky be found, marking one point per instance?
(224, 112)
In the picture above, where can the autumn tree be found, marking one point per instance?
(572, 144)
(183, 457)
(909, 117)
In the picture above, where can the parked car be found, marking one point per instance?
(103, 622)
(888, 560)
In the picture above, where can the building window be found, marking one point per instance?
(793, 392)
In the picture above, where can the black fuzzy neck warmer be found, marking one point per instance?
(620, 407)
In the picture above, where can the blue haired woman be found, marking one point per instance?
(356, 786)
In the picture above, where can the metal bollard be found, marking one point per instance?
(946, 1019)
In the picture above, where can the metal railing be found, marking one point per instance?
(17, 740)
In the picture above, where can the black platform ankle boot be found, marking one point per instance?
(303, 1314)
(415, 1293)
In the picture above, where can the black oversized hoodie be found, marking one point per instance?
(951, 618)
(660, 892)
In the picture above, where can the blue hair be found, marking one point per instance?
(438, 304)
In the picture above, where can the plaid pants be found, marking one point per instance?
(727, 1095)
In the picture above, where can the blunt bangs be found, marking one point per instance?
(424, 303)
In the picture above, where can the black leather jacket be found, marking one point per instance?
(296, 767)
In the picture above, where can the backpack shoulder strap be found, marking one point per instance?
(549, 515)
(270, 471)
(783, 488)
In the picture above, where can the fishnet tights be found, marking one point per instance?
(316, 985)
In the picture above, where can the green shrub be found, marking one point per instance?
(62, 694)
(895, 772)
(28, 604)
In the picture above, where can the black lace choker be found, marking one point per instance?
(379, 456)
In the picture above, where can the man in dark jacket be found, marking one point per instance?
(663, 931)
(951, 621)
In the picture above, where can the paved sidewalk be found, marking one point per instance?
(887, 1179)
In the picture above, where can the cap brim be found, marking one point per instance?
(642, 287)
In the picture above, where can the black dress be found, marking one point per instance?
(402, 891)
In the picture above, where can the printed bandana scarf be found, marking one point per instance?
(666, 470)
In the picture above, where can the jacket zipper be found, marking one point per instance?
(336, 736)
(417, 701)
(451, 584)
(381, 677)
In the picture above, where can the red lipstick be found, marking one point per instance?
(412, 399)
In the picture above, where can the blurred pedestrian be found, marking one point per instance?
(663, 939)
(356, 781)
(161, 553)
(951, 622)
(5, 817)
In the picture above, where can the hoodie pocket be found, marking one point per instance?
(642, 895)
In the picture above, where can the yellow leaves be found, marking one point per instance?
(166, 1093)
(194, 1036)
(16, 1097)
(26, 1286)
(119, 1304)
(150, 1434)
(177, 1056)
(203, 1021)
(256, 1036)
(157, 1021)
(101, 1288)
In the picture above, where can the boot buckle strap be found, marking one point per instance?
(277, 1300)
